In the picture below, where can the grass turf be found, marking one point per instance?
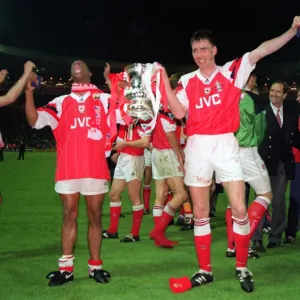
(30, 220)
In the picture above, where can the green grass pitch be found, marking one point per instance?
(30, 220)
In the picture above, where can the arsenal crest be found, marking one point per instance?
(81, 108)
(206, 91)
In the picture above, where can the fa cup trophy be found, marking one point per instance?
(144, 103)
(140, 104)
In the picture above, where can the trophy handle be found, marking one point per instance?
(152, 73)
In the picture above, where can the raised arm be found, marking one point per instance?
(143, 142)
(48, 115)
(3, 75)
(275, 44)
(106, 75)
(178, 110)
(12, 95)
(30, 109)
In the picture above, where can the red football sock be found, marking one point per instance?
(65, 263)
(157, 212)
(202, 241)
(166, 217)
(158, 233)
(146, 196)
(229, 228)
(241, 230)
(114, 213)
(137, 217)
(163, 222)
(256, 211)
(94, 265)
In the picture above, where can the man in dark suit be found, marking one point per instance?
(276, 150)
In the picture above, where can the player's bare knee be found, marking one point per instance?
(239, 211)
(134, 188)
(135, 198)
(70, 213)
(114, 196)
(94, 217)
(179, 195)
(200, 211)
(204, 214)
(182, 195)
(160, 197)
(165, 194)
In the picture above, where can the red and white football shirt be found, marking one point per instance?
(163, 124)
(133, 134)
(213, 103)
(80, 127)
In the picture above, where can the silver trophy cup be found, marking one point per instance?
(140, 105)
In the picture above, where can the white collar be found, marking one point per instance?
(276, 108)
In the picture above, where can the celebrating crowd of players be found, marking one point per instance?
(204, 113)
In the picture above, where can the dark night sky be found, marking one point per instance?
(133, 31)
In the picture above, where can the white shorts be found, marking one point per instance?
(205, 154)
(130, 167)
(165, 164)
(148, 158)
(254, 170)
(84, 186)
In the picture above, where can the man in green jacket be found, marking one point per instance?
(254, 170)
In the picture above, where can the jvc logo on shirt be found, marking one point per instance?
(208, 101)
(81, 122)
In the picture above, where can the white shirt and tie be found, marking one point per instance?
(278, 112)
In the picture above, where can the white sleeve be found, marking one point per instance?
(49, 114)
(238, 71)
(45, 119)
(119, 119)
(105, 98)
(182, 96)
(167, 126)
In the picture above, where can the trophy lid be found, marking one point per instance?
(135, 68)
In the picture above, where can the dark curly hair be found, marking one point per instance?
(175, 78)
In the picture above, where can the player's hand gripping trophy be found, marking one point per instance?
(143, 93)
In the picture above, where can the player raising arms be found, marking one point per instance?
(79, 125)
(210, 98)
(12, 95)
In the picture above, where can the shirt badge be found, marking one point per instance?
(206, 91)
(218, 86)
(81, 108)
